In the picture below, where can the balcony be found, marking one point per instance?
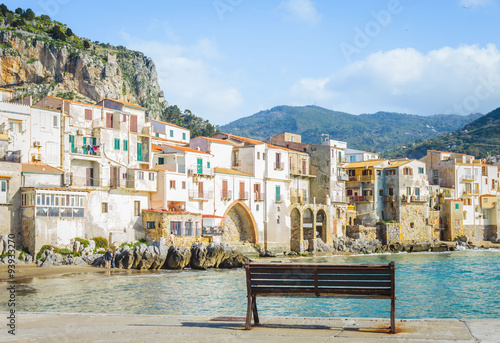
(258, 196)
(390, 198)
(361, 198)
(467, 178)
(202, 172)
(86, 182)
(298, 199)
(243, 195)
(343, 177)
(226, 195)
(200, 195)
(279, 165)
(414, 198)
(98, 124)
(11, 156)
(474, 192)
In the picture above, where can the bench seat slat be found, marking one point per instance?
(347, 283)
(311, 290)
(276, 276)
(322, 271)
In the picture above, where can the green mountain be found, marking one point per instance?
(39, 57)
(480, 138)
(378, 132)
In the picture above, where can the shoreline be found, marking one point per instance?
(31, 273)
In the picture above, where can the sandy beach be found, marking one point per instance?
(33, 273)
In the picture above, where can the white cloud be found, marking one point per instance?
(300, 10)
(475, 3)
(448, 80)
(190, 78)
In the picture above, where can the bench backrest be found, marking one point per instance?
(350, 279)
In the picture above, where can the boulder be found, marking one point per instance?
(90, 259)
(178, 257)
(198, 256)
(99, 262)
(138, 252)
(148, 257)
(464, 239)
(215, 254)
(160, 257)
(52, 260)
(322, 246)
(91, 246)
(76, 246)
(233, 259)
(124, 258)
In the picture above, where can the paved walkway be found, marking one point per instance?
(39, 327)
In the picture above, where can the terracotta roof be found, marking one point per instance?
(5, 177)
(283, 148)
(6, 89)
(183, 148)
(216, 140)
(71, 101)
(449, 152)
(211, 216)
(40, 169)
(155, 147)
(244, 139)
(125, 103)
(165, 140)
(398, 164)
(230, 171)
(169, 124)
(368, 163)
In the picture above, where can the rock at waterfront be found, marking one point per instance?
(178, 257)
(322, 246)
(76, 246)
(138, 252)
(148, 257)
(215, 254)
(161, 256)
(198, 256)
(124, 258)
(4, 244)
(233, 259)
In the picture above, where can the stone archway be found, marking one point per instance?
(296, 233)
(308, 224)
(239, 224)
(321, 225)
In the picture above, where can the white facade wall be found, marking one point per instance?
(46, 130)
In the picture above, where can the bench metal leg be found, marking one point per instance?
(393, 315)
(255, 314)
(248, 324)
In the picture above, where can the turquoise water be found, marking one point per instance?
(463, 284)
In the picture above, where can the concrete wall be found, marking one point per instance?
(10, 208)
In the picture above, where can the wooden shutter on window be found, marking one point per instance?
(133, 123)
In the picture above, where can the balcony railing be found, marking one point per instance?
(226, 194)
(467, 178)
(299, 199)
(259, 196)
(204, 171)
(361, 198)
(471, 192)
(414, 198)
(11, 156)
(297, 171)
(243, 195)
(279, 165)
(86, 182)
(343, 177)
(390, 198)
(195, 194)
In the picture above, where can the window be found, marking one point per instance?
(200, 206)
(109, 120)
(161, 160)
(408, 191)
(340, 156)
(278, 220)
(88, 114)
(417, 191)
(157, 134)
(125, 145)
(257, 207)
(391, 191)
(150, 225)
(124, 118)
(4, 186)
(263, 155)
(117, 144)
(172, 184)
(151, 176)
(55, 124)
(104, 207)
(124, 175)
(175, 228)
(389, 172)
(208, 164)
(183, 184)
(171, 133)
(184, 136)
(278, 193)
(407, 171)
(137, 208)
(133, 123)
(420, 170)
(140, 175)
(258, 155)
(380, 192)
(188, 230)
(72, 143)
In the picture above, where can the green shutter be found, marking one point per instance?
(456, 206)
(125, 145)
(72, 143)
(171, 133)
(139, 152)
(200, 166)
(184, 135)
(278, 195)
(161, 160)
(208, 164)
(117, 144)
(340, 156)
(94, 141)
(84, 140)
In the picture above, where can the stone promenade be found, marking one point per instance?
(39, 327)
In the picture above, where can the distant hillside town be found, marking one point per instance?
(70, 169)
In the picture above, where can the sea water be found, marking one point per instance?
(461, 284)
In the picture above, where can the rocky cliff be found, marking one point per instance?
(32, 63)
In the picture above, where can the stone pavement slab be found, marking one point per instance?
(54, 327)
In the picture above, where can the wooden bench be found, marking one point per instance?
(370, 280)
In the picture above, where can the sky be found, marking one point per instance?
(227, 59)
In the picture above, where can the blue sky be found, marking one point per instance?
(226, 59)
